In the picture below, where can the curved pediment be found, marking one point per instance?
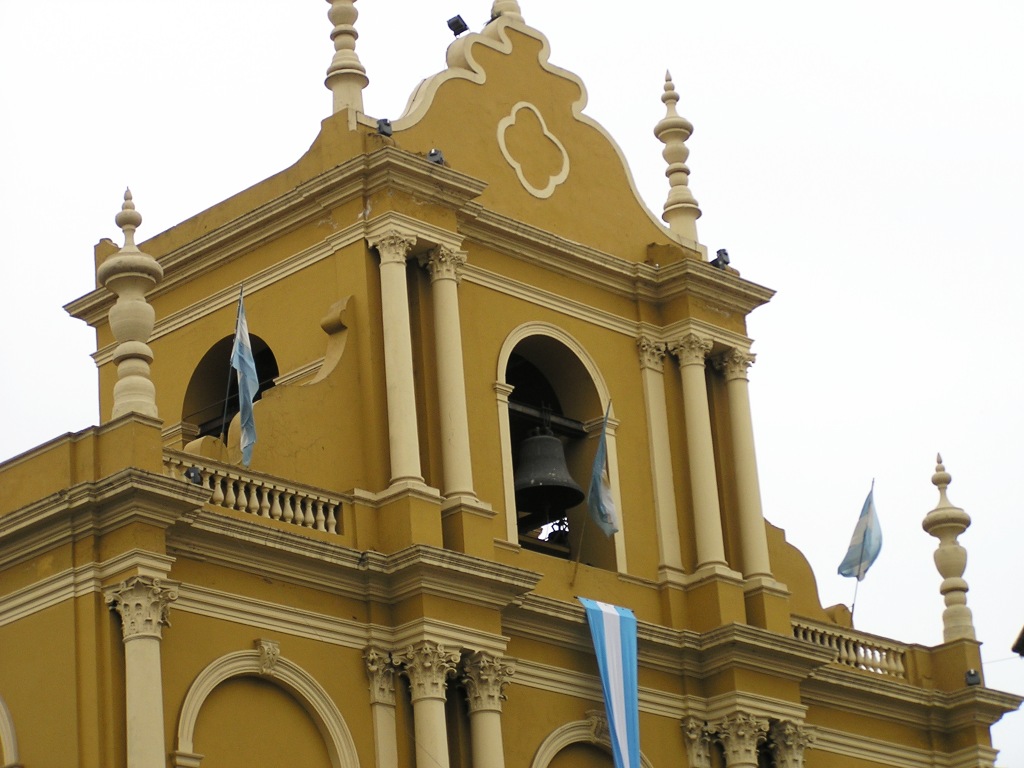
(503, 113)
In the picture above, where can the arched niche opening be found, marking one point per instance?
(211, 399)
(551, 389)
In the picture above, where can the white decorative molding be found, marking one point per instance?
(285, 673)
(8, 738)
(507, 123)
(486, 676)
(143, 604)
(858, 747)
(589, 731)
(381, 672)
(269, 652)
(428, 666)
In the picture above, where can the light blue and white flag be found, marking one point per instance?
(248, 381)
(866, 542)
(599, 500)
(613, 630)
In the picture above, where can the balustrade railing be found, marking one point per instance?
(260, 495)
(854, 649)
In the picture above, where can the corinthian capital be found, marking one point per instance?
(143, 604)
(393, 246)
(428, 666)
(444, 263)
(486, 677)
(789, 740)
(381, 671)
(698, 743)
(734, 363)
(652, 353)
(740, 735)
(691, 349)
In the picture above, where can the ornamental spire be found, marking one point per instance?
(346, 77)
(509, 8)
(681, 211)
(946, 523)
(129, 274)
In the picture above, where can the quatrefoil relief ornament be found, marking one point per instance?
(535, 154)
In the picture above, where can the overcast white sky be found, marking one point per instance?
(863, 159)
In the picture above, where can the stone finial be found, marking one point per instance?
(129, 274)
(946, 523)
(681, 211)
(507, 8)
(346, 77)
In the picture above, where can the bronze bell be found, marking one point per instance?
(544, 487)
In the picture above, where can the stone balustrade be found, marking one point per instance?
(260, 495)
(854, 649)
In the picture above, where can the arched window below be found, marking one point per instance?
(211, 399)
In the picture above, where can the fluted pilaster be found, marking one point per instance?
(692, 351)
(143, 604)
(652, 365)
(393, 248)
(444, 265)
(753, 538)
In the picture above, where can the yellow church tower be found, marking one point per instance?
(448, 314)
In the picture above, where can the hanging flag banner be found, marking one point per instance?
(866, 542)
(613, 630)
(248, 382)
(599, 499)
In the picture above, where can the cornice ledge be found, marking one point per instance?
(720, 289)
(977, 705)
(423, 569)
(741, 645)
(129, 495)
(869, 694)
(396, 168)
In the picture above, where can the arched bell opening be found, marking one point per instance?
(552, 401)
(211, 399)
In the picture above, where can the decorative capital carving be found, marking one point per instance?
(652, 353)
(691, 349)
(486, 677)
(734, 363)
(393, 246)
(444, 263)
(428, 666)
(789, 740)
(698, 742)
(598, 722)
(740, 734)
(269, 652)
(143, 604)
(381, 672)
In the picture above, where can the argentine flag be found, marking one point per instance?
(613, 630)
(866, 542)
(599, 500)
(248, 382)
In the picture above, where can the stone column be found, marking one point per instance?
(698, 743)
(946, 523)
(692, 351)
(129, 274)
(143, 604)
(428, 666)
(381, 672)
(740, 736)
(789, 740)
(485, 677)
(652, 358)
(443, 264)
(753, 539)
(393, 247)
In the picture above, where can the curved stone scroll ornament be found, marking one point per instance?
(143, 604)
(789, 740)
(740, 736)
(381, 673)
(428, 666)
(698, 743)
(508, 123)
